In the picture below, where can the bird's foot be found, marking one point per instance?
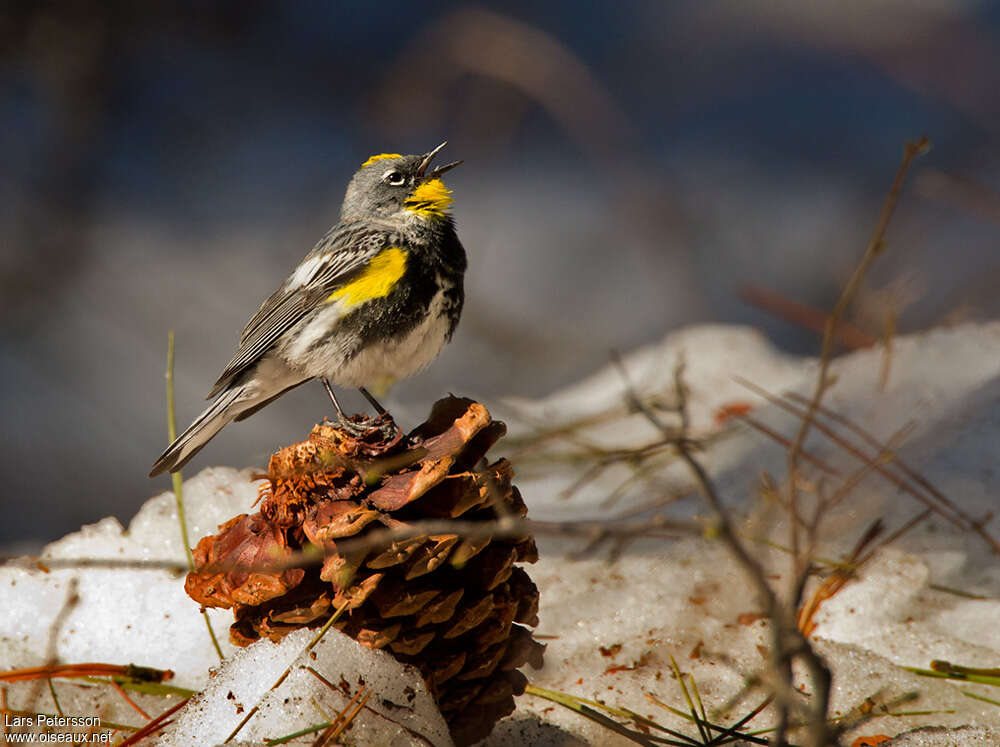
(362, 427)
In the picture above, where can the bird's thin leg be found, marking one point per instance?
(356, 429)
(393, 426)
(333, 398)
(372, 401)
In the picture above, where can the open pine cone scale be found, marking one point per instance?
(454, 607)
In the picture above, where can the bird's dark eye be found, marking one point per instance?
(394, 179)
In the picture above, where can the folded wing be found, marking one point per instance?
(334, 262)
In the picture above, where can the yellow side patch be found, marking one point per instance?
(431, 199)
(377, 280)
(380, 157)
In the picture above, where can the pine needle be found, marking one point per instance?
(178, 482)
(311, 645)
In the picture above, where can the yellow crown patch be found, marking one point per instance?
(430, 200)
(380, 157)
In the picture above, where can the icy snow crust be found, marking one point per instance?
(399, 708)
(127, 615)
(684, 599)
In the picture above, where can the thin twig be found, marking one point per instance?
(158, 723)
(781, 440)
(52, 647)
(975, 525)
(4, 709)
(882, 463)
(887, 339)
(875, 247)
(847, 335)
(505, 528)
(788, 642)
(344, 719)
(127, 699)
(372, 711)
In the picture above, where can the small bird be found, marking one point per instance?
(375, 301)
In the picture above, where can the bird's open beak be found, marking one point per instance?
(439, 169)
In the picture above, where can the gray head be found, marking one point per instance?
(390, 184)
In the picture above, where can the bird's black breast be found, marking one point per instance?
(435, 265)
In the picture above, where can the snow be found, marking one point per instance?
(664, 602)
(126, 615)
(611, 627)
(399, 707)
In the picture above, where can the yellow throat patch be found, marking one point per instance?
(430, 200)
(376, 281)
(380, 157)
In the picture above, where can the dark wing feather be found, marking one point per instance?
(343, 253)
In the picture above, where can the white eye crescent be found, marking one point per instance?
(393, 178)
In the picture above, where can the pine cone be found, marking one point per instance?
(448, 605)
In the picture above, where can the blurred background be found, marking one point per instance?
(630, 168)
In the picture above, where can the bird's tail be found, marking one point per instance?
(230, 405)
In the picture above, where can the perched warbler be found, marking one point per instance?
(374, 301)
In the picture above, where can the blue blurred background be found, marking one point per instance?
(630, 167)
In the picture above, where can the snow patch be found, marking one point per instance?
(614, 626)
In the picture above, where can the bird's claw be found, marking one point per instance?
(359, 426)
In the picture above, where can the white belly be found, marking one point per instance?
(380, 364)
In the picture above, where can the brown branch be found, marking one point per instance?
(847, 335)
(85, 670)
(788, 642)
(875, 247)
(973, 524)
(911, 481)
(506, 527)
(781, 440)
(154, 726)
